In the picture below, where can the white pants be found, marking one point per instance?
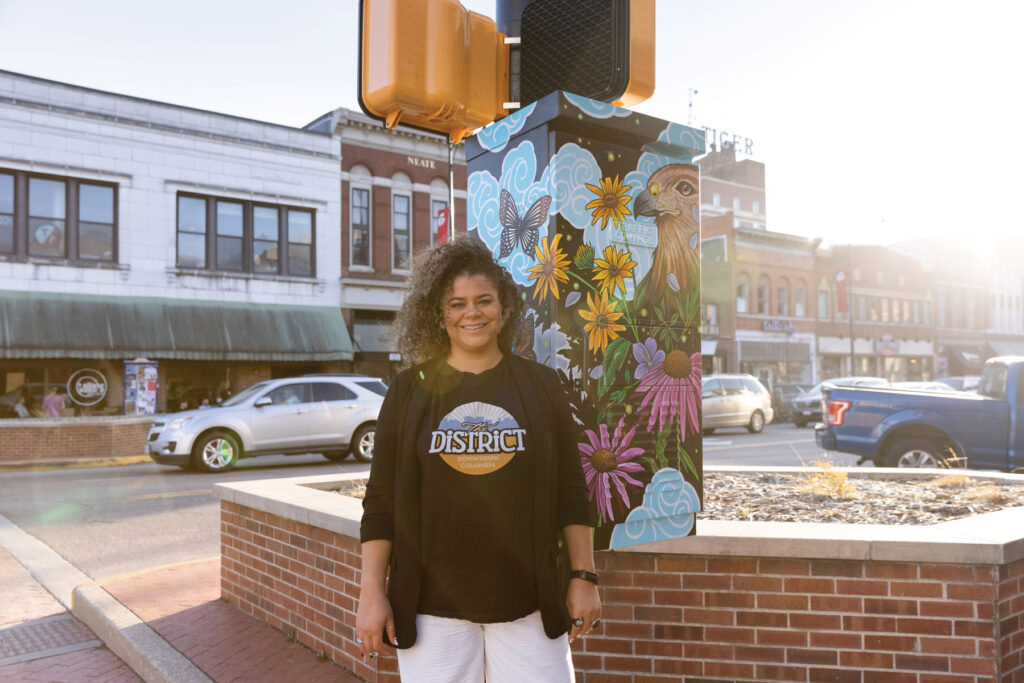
(459, 651)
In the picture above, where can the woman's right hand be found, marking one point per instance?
(373, 617)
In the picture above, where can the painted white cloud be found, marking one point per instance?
(595, 108)
(495, 136)
(667, 512)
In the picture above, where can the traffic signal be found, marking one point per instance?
(431, 64)
(601, 49)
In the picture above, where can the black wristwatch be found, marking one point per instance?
(584, 574)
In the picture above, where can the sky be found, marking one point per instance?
(877, 120)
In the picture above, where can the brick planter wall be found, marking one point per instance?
(44, 439)
(907, 604)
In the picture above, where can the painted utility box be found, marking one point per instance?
(595, 210)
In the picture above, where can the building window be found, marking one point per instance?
(244, 237)
(735, 203)
(60, 218)
(800, 304)
(743, 294)
(436, 206)
(764, 296)
(862, 308)
(360, 227)
(266, 238)
(823, 304)
(6, 213)
(400, 223)
(716, 199)
(300, 242)
(917, 312)
(95, 222)
(711, 315)
(885, 310)
(782, 298)
(46, 217)
(756, 207)
(229, 236)
(191, 232)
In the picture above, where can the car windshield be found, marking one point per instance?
(244, 395)
(374, 385)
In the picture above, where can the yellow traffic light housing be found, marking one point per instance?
(431, 64)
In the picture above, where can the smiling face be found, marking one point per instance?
(472, 317)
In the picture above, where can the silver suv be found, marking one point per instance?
(329, 414)
(735, 401)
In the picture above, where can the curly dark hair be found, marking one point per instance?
(419, 326)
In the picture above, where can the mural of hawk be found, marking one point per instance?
(673, 200)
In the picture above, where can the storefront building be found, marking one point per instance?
(394, 192)
(132, 229)
(883, 300)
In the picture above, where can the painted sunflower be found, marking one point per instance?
(610, 203)
(601, 326)
(551, 268)
(610, 270)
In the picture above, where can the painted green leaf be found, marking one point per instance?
(614, 356)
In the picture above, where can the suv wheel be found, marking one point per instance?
(756, 422)
(362, 443)
(216, 452)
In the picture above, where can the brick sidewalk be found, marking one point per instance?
(40, 642)
(182, 603)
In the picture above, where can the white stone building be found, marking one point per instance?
(130, 228)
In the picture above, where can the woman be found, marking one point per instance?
(475, 473)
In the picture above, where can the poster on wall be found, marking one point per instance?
(140, 387)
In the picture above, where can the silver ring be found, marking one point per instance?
(372, 655)
(595, 623)
(578, 622)
(359, 641)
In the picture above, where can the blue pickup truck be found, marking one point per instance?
(984, 430)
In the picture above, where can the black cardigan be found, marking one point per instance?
(391, 508)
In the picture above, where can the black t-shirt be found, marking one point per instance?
(477, 480)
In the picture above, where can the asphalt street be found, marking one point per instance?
(779, 444)
(112, 520)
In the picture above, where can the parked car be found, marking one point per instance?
(807, 406)
(783, 394)
(329, 414)
(921, 386)
(921, 429)
(961, 383)
(735, 401)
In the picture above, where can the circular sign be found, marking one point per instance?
(87, 387)
(477, 438)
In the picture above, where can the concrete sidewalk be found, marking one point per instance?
(166, 624)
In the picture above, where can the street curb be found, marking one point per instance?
(128, 637)
(17, 465)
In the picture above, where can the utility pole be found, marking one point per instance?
(689, 115)
(849, 303)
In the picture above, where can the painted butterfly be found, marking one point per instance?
(525, 231)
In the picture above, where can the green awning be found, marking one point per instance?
(37, 325)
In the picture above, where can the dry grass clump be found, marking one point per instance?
(828, 482)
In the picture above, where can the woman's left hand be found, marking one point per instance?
(584, 603)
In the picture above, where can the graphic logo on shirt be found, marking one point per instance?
(477, 438)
